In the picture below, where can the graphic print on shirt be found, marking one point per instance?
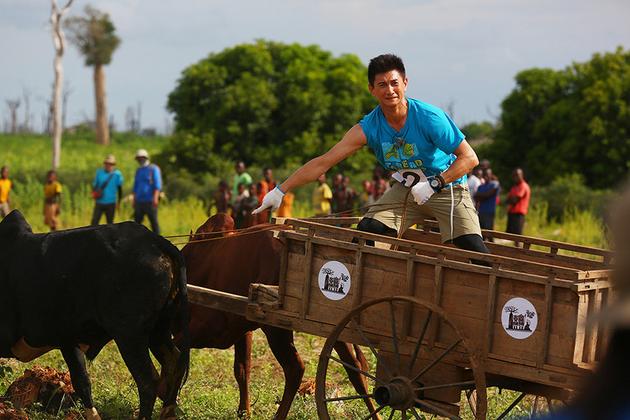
(401, 157)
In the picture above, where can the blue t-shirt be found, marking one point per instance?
(426, 141)
(110, 190)
(489, 205)
(148, 179)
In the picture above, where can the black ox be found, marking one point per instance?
(78, 289)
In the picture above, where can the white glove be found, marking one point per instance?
(272, 199)
(421, 192)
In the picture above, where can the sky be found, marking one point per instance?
(459, 54)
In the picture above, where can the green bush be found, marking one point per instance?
(569, 193)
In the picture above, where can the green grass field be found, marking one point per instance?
(211, 392)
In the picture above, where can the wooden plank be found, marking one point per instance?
(538, 273)
(528, 254)
(430, 249)
(438, 283)
(357, 279)
(490, 314)
(308, 268)
(284, 262)
(591, 350)
(216, 299)
(547, 315)
(411, 287)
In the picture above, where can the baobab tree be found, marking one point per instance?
(59, 41)
(94, 35)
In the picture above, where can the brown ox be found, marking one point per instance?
(231, 264)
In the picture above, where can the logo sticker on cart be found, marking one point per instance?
(334, 280)
(519, 318)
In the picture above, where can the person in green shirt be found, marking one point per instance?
(240, 177)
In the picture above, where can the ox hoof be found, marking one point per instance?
(168, 412)
(91, 414)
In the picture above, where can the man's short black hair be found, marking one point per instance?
(384, 63)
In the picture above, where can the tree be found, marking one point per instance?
(267, 103)
(13, 105)
(59, 42)
(94, 35)
(575, 120)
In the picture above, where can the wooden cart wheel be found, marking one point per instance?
(398, 391)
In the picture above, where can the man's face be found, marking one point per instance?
(268, 175)
(5, 173)
(108, 167)
(240, 168)
(389, 88)
(141, 160)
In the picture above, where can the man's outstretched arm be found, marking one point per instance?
(352, 141)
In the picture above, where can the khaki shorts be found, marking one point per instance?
(390, 207)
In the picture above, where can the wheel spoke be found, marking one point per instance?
(427, 388)
(514, 404)
(436, 409)
(348, 398)
(403, 415)
(394, 337)
(372, 348)
(419, 343)
(415, 413)
(354, 368)
(433, 363)
(373, 413)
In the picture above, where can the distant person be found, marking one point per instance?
(222, 198)
(379, 183)
(286, 207)
(146, 190)
(347, 198)
(475, 179)
(365, 198)
(238, 203)
(484, 164)
(52, 201)
(247, 205)
(265, 185)
(240, 177)
(322, 197)
(518, 203)
(5, 191)
(486, 196)
(107, 191)
(338, 193)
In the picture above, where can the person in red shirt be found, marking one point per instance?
(518, 203)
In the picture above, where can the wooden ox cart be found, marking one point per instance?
(438, 320)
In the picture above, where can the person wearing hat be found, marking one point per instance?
(106, 190)
(146, 190)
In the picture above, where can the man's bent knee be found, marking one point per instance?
(370, 225)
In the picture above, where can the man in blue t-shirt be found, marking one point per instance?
(425, 149)
(146, 190)
(486, 196)
(107, 191)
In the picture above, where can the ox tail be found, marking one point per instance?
(179, 325)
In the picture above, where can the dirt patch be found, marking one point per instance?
(51, 388)
(7, 412)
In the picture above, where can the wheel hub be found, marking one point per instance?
(398, 393)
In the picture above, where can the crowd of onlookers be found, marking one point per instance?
(244, 195)
(106, 192)
(485, 188)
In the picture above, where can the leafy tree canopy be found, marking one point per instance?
(94, 35)
(266, 103)
(575, 120)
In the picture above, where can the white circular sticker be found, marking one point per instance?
(519, 318)
(334, 280)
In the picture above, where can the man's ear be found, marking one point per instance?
(371, 89)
